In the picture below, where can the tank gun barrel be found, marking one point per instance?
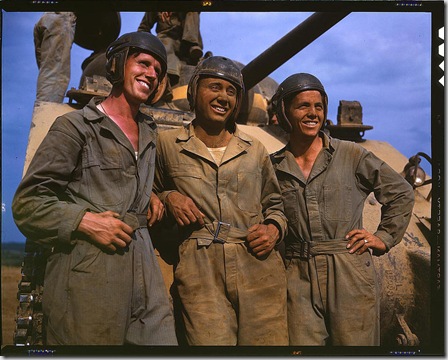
(289, 45)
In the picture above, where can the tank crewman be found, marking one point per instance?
(332, 287)
(54, 34)
(219, 185)
(180, 33)
(86, 196)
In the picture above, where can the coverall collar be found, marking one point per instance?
(146, 126)
(284, 160)
(238, 144)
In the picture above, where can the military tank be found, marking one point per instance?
(403, 273)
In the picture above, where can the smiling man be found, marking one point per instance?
(85, 197)
(332, 287)
(219, 186)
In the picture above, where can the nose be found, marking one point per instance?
(312, 112)
(151, 73)
(223, 97)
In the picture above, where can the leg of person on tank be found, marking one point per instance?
(191, 37)
(53, 39)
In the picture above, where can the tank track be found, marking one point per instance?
(29, 329)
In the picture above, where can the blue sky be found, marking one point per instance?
(382, 59)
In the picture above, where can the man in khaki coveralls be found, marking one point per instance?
(332, 286)
(85, 196)
(219, 185)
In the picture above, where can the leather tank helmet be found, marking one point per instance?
(118, 51)
(291, 86)
(218, 67)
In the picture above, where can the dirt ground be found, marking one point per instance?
(10, 281)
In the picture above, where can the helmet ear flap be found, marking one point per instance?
(157, 94)
(115, 66)
(278, 105)
(191, 91)
(281, 116)
(110, 67)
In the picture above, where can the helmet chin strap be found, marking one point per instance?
(283, 120)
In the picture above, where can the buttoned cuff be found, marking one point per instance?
(70, 222)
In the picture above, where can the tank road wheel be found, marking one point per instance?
(29, 328)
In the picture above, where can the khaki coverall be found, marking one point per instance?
(333, 294)
(86, 163)
(228, 295)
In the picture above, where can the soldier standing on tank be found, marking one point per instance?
(332, 287)
(86, 195)
(219, 185)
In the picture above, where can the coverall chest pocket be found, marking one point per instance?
(103, 176)
(338, 202)
(249, 191)
(189, 180)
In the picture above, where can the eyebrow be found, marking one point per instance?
(309, 103)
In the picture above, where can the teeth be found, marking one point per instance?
(219, 108)
(144, 84)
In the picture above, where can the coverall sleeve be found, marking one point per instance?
(393, 192)
(148, 21)
(271, 198)
(42, 207)
(160, 181)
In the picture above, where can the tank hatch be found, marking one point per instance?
(349, 126)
